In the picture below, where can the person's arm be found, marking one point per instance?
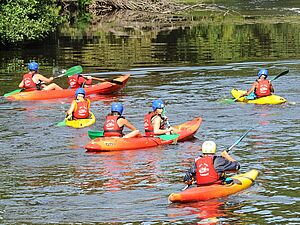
(225, 163)
(190, 175)
(227, 156)
(71, 109)
(271, 87)
(156, 126)
(250, 90)
(123, 122)
(21, 85)
(42, 78)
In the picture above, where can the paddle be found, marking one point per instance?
(97, 133)
(63, 123)
(72, 71)
(108, 80)
(274, 78)
(234, 144)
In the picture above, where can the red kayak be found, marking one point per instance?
(186, 131)
(101, 88)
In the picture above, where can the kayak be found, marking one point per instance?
(101, 88)
(240, 182)
(271, 99)
(186, 131)
(80, 123)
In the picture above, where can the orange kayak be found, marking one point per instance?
(186, 131)
(240, 182)
(101, 88)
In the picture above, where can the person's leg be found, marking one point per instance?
(52, 86)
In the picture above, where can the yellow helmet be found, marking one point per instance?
(209, 147)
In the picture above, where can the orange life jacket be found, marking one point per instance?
(149, 130)
(111, 127)
(263, 89)
(205, 171)
(82, 109)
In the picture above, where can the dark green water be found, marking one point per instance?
(48, 178)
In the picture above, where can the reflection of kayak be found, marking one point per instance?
(101, 88)
(272, 99)
(80, 123)
(241, 182)
(186, 131)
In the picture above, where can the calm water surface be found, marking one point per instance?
(47, 177)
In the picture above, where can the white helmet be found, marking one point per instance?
(209, 147)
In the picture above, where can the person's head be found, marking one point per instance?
(263, 72)
(158, 105)
(117, 107)
(209, 147)
(33, 66)
(80, 93)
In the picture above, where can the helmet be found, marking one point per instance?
(33, 66)
(263, 72)
(80, 91)
(157, 104)
(209, 147)
(117, 107)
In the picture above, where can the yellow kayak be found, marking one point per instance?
(271, 99)
(80, 123)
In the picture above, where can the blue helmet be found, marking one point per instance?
(80, 91)
(263, 72)
(117, 107)
(33, 66)
(157, 104)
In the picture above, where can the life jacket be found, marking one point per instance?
(149, 130)
(205, 171)
(82, 109)
(28, 82)
(111, 127)
(73, 81)
(263, 89)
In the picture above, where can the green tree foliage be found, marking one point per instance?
(24, 20)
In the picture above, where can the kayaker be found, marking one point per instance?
(210, 169)
(261, 87)
(80, 107)
(77, 81)
(35, 81)
(155, 123)
(115, 122)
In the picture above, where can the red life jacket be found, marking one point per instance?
(28, 82)
(111, 127)
(263, 89)
(77, 80)
(205, 171)
(73, 81)
(149, 130)
(82, 109)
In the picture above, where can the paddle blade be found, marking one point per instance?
(229, 100)
(73, 70)
(168, 137)
(62, 123)
(13, 92)
(95, 134)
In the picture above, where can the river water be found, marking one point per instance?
(47, 177)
